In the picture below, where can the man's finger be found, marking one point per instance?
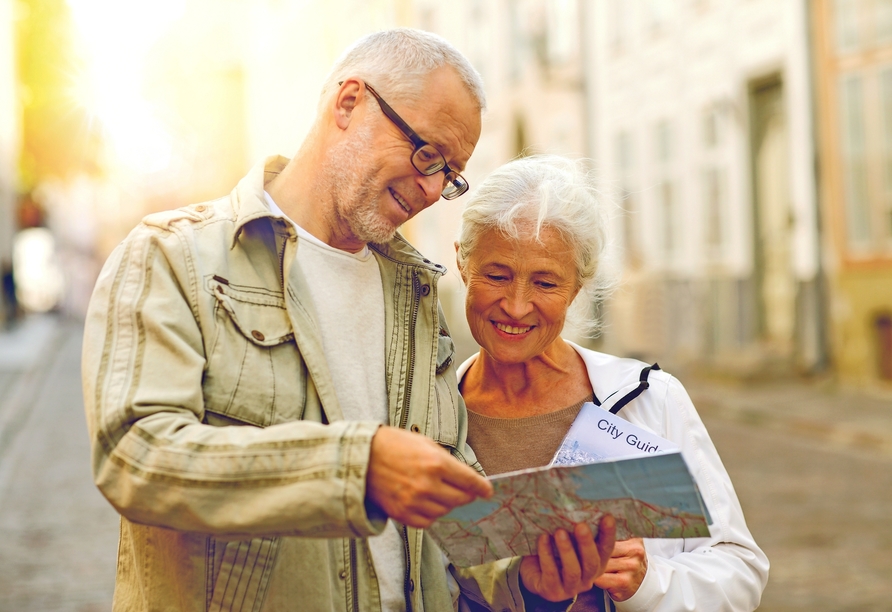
(467, 479)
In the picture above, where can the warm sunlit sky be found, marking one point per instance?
(115, 39)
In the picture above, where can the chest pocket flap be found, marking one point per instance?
(258, 314)
(254, 372)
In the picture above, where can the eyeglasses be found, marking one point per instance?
(426, 159)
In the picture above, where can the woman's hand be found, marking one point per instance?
(625, 570)
(575, 569)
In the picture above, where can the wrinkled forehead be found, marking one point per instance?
(446, 115)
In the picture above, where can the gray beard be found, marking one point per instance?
(352, 188)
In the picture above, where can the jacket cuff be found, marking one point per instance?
(363, 516)
(648, 593)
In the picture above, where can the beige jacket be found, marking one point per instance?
(216, 431)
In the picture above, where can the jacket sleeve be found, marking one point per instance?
(725, 572)
(155, 459)
(494, 586)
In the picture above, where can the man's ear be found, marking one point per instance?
(345, 101)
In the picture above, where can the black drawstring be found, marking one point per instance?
(642, 385)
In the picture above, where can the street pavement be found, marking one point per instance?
(58, 535)
(812, 464)
(812, 467)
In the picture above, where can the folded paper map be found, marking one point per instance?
(651, 495)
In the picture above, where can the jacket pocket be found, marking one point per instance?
(254, 372)
(245, 569)
(445, 423)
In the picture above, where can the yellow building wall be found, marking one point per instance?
(859, 282)
(860, 297)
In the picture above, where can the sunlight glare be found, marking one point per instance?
(116, 38)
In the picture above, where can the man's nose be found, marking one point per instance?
(432, 186)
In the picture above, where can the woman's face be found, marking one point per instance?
(518, 293)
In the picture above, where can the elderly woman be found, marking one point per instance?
(528, 251)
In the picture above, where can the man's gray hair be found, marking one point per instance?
(397, 62)
(528, 195)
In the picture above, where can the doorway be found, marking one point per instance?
(773, 218)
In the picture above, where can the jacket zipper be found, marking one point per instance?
(416, 288)
(407, 593)
(354, 582)
(282, 263)
(404, 420)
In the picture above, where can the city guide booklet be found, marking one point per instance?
(604, 465)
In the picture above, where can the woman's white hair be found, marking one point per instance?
(528, 195)
(397, 63)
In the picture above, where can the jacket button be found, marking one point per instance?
(200, 208)
(342, 574)
(258, 336)
(425, 290)
(415, 429)
(411, 584)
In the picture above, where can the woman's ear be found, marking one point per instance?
(458, 264)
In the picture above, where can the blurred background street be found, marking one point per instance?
(745, 152)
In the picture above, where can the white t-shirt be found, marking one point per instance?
(348, 302)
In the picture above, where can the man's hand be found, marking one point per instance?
(579, 566)
(416, 481)
(625, 570)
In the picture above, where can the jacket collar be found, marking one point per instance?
(247, 198)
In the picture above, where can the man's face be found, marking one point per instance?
(375, 187)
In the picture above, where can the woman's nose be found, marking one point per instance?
(517, 303)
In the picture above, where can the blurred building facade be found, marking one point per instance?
(704, 117)
(9, 150)
(852, 47)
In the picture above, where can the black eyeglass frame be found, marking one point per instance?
(458, 182)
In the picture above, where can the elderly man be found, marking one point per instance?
(258, 370)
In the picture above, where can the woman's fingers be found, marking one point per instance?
(606, 541)
(571, 571)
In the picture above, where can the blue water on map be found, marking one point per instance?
(662, 480)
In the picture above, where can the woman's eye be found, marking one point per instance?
(495, 277)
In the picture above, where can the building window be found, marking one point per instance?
(562, 31)
(666, 197)
(713, 182)
(854, 155)
(886, 110)
(667, 212)
(625, 157)
(658, 13)
(714, 203)
(620, 27)
(883, 21)
(862, 24)
(865, 105)
(848, 25)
